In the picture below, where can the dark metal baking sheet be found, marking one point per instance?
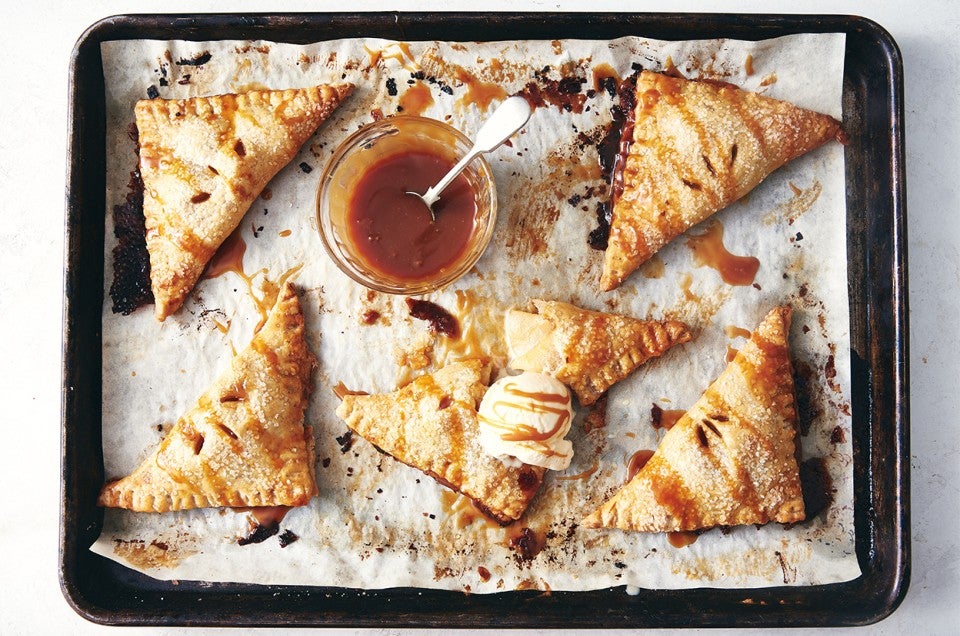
(106, 592)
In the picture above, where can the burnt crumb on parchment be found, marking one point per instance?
(287, 538)
(197, 60)
(306, 167)
(260, 534)
(346, 441)
(130, 288)
(391, 87)
(152, 92)
(527, 545)
(441, 321)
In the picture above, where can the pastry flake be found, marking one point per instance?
(589, 351)
(431, 424)
(697, 146)
(730, 459)
(203, 161)
(244, 442)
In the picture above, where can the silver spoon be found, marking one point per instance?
(508, 118)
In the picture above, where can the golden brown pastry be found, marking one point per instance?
(204, 160)
(697, 147)
(244, 443)
(730, 459)
(589, 351)
(431, 424)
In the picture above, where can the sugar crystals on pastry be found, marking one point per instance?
(244, 442)
(696, 147)
(204, 161)
(729, 460)
(431, 424)
(589, 351)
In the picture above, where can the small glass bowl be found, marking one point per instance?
(372, 143)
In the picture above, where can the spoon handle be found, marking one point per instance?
(433, 193)
(508, 118)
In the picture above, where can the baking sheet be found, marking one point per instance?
(538, 250)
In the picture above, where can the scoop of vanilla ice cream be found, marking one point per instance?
(524, 418)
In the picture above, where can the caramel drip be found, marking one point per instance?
(665, 418)
(270, 292)
(341, 391)
(637, 461)
(402, 54)
(685, 282)
(265, 515)
(478, 92)
(731, 354)
(416, 99)
(708, 249)
(682, 539)
(228, 257)
(582, 475)
(732, 331)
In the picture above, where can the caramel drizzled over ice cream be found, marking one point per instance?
(526, 417)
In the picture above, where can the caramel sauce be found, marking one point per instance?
(708, 249)
(664, 418)
(393, 232)
(582, 475)
(285, 233)
(416, 99)
(769, 80)
(748, 65)
(733, 331)
(224, 328)
(637, 461)
(682, 539)
(229, 256)
(478, 92)
(484, 573)
(341, 391)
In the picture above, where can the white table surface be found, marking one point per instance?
(38, 37)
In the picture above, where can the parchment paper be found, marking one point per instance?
(377, 523)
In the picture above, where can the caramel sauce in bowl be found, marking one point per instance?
(382, 237)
